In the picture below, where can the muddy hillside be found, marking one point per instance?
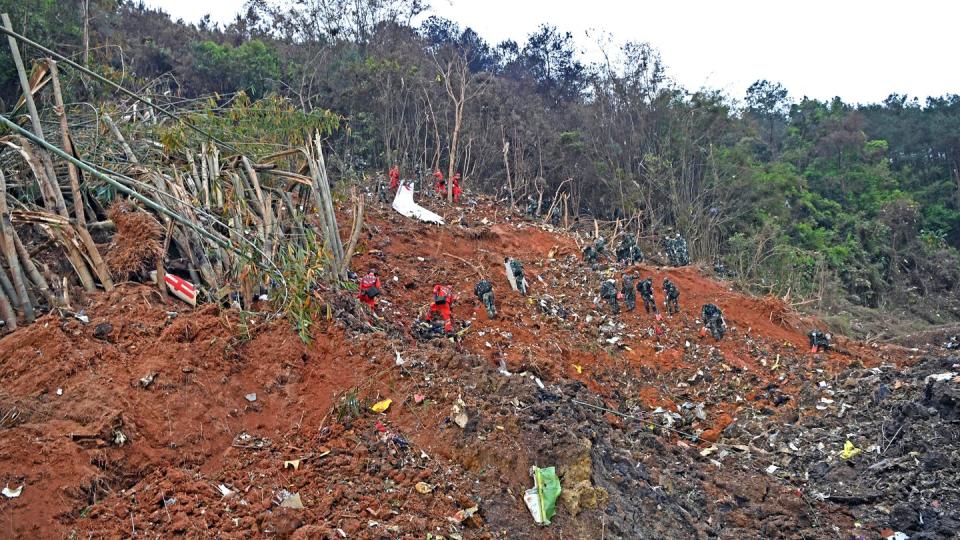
(145, 417)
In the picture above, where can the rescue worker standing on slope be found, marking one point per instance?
(608, 292)
(629, 292)
(394, 178)
(440, 308)
(671, 297)
(456, 188)
(646, 293)
(439, 185)
(370, 289)
(484, 291)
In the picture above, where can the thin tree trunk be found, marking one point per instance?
(506, 163)
(86, 32)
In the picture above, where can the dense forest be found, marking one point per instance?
(840, 206)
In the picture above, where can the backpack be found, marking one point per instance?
(372, 292)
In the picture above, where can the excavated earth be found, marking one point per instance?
(154, 419)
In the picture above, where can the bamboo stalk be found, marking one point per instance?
(193, 177)
(28, 98)
(99, 266)
(325, 225)
(6, 286)
(6, 311)
(354, 235)
(204, 181)
(57, 232)
(10, 253)
(252, 174)
(268, 224)
(35, 276)
(119, 137)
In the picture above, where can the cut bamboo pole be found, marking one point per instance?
(99, 266)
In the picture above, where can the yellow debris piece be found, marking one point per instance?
(381, 406)
(849, 450)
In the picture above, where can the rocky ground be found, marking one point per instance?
(155, 419)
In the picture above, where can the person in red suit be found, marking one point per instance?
(443, 298)
(440, 185)
(394, 177)
(456, 188)
(370, 289)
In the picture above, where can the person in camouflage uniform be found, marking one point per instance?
(671, 296)
(590, 255)
(628, 251)
(608, 292)
(484, 291)
(819, 341)
(531, 206)
(517, 268)
(600, 246)
(555, 216)
(712, 321)
(629, 292)
(677, 253)
(646, 293)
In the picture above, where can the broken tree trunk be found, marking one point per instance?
(56, 232)
(99, 266)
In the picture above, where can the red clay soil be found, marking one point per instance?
(100, 445)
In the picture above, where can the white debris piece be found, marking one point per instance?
(403, 203)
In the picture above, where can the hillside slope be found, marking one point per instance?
(129, 424)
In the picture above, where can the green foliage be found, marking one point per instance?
(252, 66)
(46, 21)
(259, 127)
(301, 266)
